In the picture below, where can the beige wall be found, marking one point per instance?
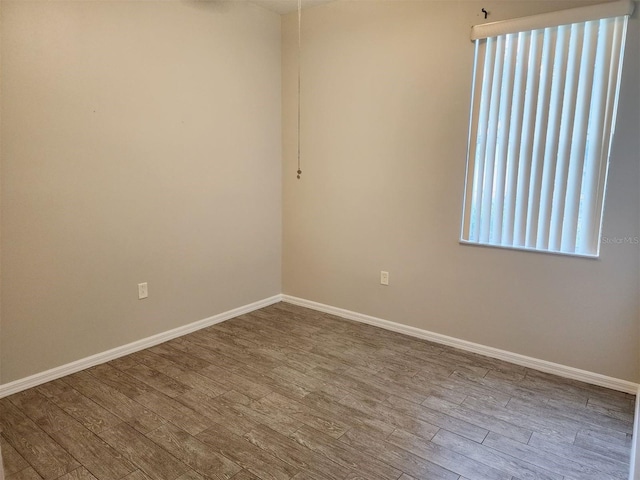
(141, 142)
(386, 89)
(0, 201)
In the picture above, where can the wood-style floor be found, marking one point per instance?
(287, 392)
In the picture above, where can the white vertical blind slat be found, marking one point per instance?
(578, 140)
(468, 211)
(531, 178)
(480, 140)
(566, 129)
(529, 93)
(491, 144)
(502, 139)
(552, 138)
(517, 120)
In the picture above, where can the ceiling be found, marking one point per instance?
(287, 6)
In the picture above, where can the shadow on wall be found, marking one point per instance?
(217, 6)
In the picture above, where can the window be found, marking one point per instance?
(543, 112)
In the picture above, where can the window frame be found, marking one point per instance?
(504, 31)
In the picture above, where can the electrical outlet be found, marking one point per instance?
(143, 290)
(384, 278)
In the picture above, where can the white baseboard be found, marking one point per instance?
(534, 363)
(73, 367)
(542, 365)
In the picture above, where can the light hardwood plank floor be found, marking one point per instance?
(290, 393)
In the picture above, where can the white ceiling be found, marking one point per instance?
(287, 6)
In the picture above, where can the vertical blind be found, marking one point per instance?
(542, 121)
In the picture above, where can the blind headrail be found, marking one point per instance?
(553, 19)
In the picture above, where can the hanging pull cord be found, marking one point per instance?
(299, 78)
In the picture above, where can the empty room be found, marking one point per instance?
(315, 239)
